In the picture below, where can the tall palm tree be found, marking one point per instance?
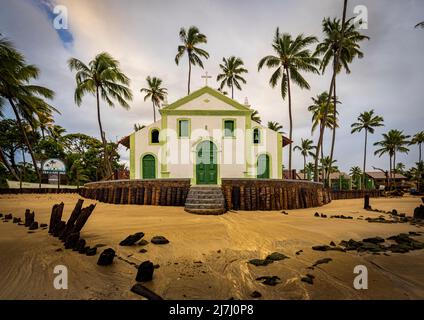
(367, 121)
(190, 39)
(393, 141)
(418, 139)
(26, 99)
(255, 116)
(327, 167)
(103, 78)
(155, 92)
(275, 126)
(291, 57)
(232, 70)
(349, 49)
(305, 148)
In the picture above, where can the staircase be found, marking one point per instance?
(205, 200)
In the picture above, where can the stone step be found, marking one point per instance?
(206, 211)
(210, 192)
(193, 199)
(204, 205)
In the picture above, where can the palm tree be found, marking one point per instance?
(103, 78)
(305, 149)
(255, 116)
(291, 57)
(418, 139)
(155, 92)
(367, 121)
(355, 173)
(26, 99)
(309, 168)
(138, 127)
(190, 39)
(275, 126)
(232, 68)
(327, 167)
(400, 167)
(329, 47)
(393, 141)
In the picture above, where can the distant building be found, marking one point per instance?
(381, 179)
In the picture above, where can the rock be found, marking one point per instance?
(323, 215)
(1, 215)
(321, 248)
(145, 271)
(269, 280)
(33, 226)
(374, 240)
(159, 240)
(131, 239)
(372, 247)
(276, 256)
(16, 220)
(8, 216)
(91, 251)
(106, 257)
(59, 250)
(83, 250)
(143, 242)
(260, 262)
(332, 244)
(80, 245)
(72, 240)
(316, 214)
(322, 261)
(256, 294)
(143, 251)
(394, 212)
(144, 292)
(283, 212)
(299, 252)
(308, 279)
(43, 225)
(419, 212)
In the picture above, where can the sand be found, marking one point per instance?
(207, 255)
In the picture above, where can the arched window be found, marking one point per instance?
(256, 136)
(154, 136)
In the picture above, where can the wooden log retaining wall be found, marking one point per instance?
(354, 194)
(157, 192)
(37, 190)
(270, 194)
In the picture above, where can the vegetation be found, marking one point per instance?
(155, 92)
(190, 39)
(306, 149)
(275, 126)
(232, 70)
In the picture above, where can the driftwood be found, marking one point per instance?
(144, 292)
(71, 221)
(56, 216)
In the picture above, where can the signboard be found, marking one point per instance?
(54, 166)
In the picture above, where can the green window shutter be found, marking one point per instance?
(183, 128)
(256, 136)
(228, 128)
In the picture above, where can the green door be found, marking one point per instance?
(263, 167)
(149, 167)
(206, 163)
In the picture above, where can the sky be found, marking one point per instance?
(143, 36)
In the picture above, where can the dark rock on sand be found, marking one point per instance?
(16, 220)
(326, 248)
(276, 256)
(43, 225)
(374, 240)
(143, 242)
(419, 212)
(91, 251)
(143, 251)
(309, 278)
(299, 252)
(260, 262)
(256, 294)
(106, 257)
(1, 215)
(8, 216)
(80, 245)
(332, 244)
(131, 239)
(144, 292)
(159, 240)
(322, 261)
(145, 271)
(33, 226)
(269, 280)
(316, 214)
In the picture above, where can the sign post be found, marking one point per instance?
(52, 166)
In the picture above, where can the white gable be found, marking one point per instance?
(206, 102)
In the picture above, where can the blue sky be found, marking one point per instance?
(143, 36)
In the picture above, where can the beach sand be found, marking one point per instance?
(207, 255)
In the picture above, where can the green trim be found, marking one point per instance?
(200, 92)
(218, 157)
(248, 147)
(156, 164)
(132, 156)
(270, 164)
(178, 128)
(279, 156)
(163, 138)
(149, 138)
(229, 113)
(234, 120)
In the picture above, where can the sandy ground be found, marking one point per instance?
(207, 255)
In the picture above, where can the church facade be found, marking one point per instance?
(206, 136)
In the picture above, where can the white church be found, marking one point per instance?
(206, 136)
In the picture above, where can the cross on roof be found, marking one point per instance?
(206, 77)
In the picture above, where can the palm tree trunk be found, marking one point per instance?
(390, 173)
(28, 144)
(365, 159)
(7, 165)
(333, 140)
(108, 168)
(291, 124)
(154, 112)
(419, 150)
(333, 80)
(232, 92)
(304, 167)
(189, 75)
(394, 169)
